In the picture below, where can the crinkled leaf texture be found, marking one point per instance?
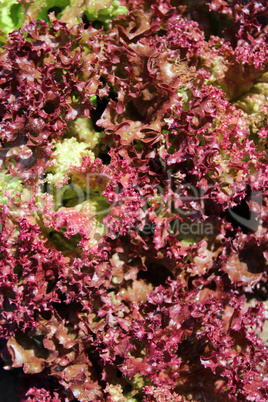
(133, 202)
